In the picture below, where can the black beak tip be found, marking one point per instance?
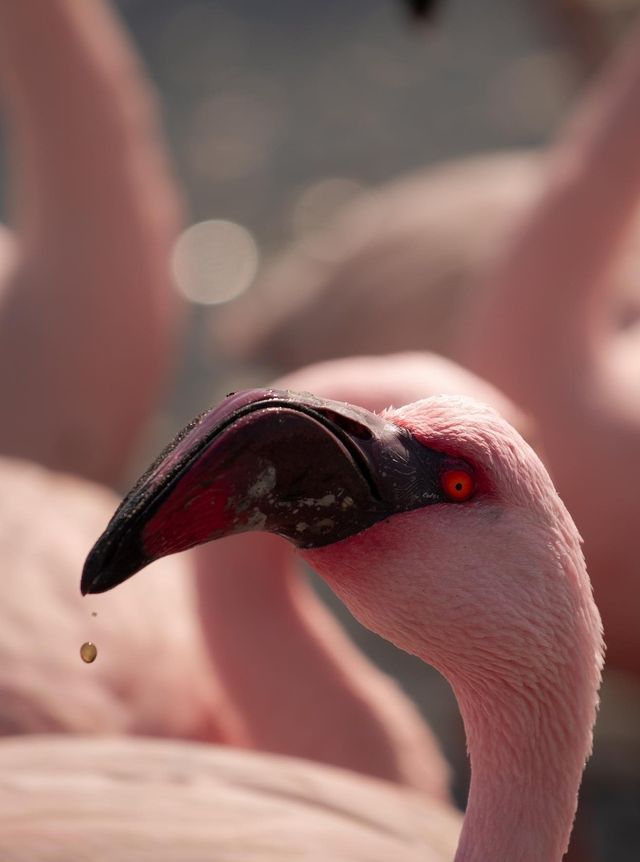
(112, 560)
(93, 575)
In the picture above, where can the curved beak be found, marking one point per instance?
(312, 470)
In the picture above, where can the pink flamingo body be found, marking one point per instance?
(400, 260)
(491, 588)
(403, 261)
(100, 800)
(44, 686)
(95, 213)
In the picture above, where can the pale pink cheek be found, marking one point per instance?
(356, 573)
(327, 563)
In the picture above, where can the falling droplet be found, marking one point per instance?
(88, 652)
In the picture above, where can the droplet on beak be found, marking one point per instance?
(88, 652)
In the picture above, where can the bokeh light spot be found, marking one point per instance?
(214, 261)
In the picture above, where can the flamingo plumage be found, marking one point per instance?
(94, 212)
(84, 272)
(47, 522)
(445, 535)
(133, 800)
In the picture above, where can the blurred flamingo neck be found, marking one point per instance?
(249, 577)
(287, 634)
(555, 275)
(291, 651)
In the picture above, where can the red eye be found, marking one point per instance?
(458, 485)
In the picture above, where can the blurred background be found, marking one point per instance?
(279, 114)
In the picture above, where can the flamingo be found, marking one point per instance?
(401, 260)
(404, 260)
(44, 686)
(134, 800)
(539, 330)
(105, 273)
(365, 722)
(340, 709)
(592, 28)
(441, 530)
(86, 61)
(95, 212)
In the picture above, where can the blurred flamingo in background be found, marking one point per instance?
(396, 269)
(47, 522)
(444, 534)
(591, 29)
(107, 212)
(85, 274)
(539, 329)
(95, 213)
(390, 273)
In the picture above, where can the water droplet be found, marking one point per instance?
(88, 652)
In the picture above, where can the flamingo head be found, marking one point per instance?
(436, 523)
(441, 531)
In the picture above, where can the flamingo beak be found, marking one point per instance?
(312, 470)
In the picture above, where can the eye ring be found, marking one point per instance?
(458, 485)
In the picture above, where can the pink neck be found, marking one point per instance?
(81, 118)
(526, 769)
(303, 687)
(528, 715)
(525, 669)
(96, 213)
(555, 274)
(287, 651)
